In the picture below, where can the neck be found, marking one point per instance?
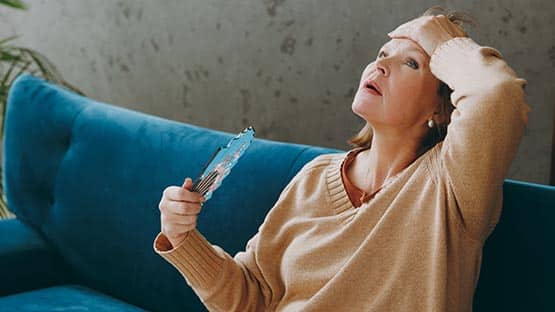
(388, 156)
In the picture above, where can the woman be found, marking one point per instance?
(397, 223)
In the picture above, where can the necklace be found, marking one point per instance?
(384, 184)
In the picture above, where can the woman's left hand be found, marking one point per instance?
(428, 31)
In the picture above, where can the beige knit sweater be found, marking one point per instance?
(416, 246)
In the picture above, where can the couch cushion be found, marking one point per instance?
(63, 298)
(26, 261)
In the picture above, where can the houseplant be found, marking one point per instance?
(15, 60)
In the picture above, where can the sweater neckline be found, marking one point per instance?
(336, 188)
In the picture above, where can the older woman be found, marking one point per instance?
(398, 222)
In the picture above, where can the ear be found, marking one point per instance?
(439, 115)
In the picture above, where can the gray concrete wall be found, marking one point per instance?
(289, 68)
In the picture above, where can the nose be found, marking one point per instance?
(382, 67)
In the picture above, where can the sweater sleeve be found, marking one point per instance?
(485, 129)
(221, 282)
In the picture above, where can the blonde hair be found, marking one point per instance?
(364, 137)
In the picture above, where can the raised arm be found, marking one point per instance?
(488, 121)
(223, 282)
(485, 130)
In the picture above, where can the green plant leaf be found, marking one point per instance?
(46, 67)
(22, 60)
(4, 211)
(2, 41)
(13, 65)
(49, 70)
(16, 4)
(7, 55)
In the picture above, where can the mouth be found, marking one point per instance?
(373, 87)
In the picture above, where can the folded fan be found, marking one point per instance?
(221, 162)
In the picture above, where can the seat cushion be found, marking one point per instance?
(63, 298)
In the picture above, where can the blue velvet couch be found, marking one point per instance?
(85, 178)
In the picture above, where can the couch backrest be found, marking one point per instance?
(518, 266)
(89, 177)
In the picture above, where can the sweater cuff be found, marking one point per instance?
(195, 258)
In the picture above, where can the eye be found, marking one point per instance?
(412, 63)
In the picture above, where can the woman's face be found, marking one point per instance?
(408, 88)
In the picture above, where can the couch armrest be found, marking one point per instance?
(26, 261)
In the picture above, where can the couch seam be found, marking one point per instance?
(294, 162)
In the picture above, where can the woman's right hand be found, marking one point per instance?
(179, 208)
(429, 32)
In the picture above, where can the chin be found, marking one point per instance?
(359, 107)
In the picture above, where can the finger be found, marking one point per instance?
(177, 220)
(399, 31)
(453, 29)
(404, 26)
(407, 29)
(174, 193)
(182, 208)
(442, 23)
(188, 184)
(407, 33)
(182, 194)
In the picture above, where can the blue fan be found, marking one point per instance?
(221, 162)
